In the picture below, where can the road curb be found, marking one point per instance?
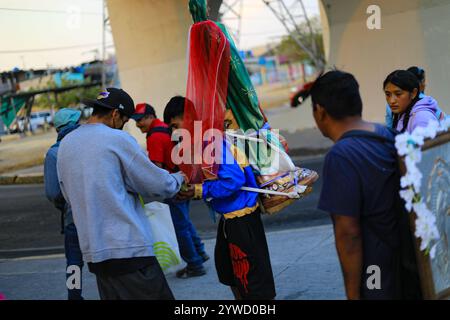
(10, 137)
(32, 178)
(297, 154)
(6, 170)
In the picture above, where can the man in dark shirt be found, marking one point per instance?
(361, 183)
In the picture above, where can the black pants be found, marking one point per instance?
(242, 257)
(147, 283)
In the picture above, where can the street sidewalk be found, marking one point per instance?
(26, 152)
(304, 262)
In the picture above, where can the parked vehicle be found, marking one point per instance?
(37, 120)
(300, 93)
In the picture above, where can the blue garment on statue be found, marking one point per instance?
(190, 244)
(74, 257)
(225, 192)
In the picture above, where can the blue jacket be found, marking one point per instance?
(52, 188)
(224, 194)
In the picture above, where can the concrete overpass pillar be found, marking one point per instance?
(150, 38)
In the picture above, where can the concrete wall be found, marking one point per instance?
(414, 32)
(150, 37)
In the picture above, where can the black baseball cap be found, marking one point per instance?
(142, 110)
(113, 98)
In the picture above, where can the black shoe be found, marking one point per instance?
(204, 256)
(188, 272)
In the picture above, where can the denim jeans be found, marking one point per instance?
(190, 244)
(73, 257)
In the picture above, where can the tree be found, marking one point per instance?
(66, 99)
(295, 19)
(289, 47)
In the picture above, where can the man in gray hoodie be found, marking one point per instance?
(102, 170)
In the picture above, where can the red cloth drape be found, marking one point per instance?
(206, 93)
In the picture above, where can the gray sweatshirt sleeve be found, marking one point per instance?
(145, 178)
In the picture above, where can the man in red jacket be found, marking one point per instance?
(159, 143)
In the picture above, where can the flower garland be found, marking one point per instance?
(409, 146)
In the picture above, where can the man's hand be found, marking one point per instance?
(187, 193)
(186, 178)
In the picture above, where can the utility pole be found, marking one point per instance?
(231, 16)
(214, 7)
(104, 23)
(291, 14)
(24, 67)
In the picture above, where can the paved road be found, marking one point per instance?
(29, 225)
(304, 262)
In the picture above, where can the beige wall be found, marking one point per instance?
(150, 37)
(414, 32)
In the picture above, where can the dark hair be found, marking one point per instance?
(174, 108)
(149, 110)
(407, 81)
(338, 93)
(418, 72)
(101, 112)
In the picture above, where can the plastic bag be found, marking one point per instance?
(165, 244)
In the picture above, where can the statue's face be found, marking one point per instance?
(230, 121)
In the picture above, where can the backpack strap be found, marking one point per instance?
(370, 134)
(159, 129)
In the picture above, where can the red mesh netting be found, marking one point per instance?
(206, 93)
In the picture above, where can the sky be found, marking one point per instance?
(57, 33)
(259, 24)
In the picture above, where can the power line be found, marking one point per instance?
(47, 11)
(51, 49)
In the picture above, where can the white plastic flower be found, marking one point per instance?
(413, 177)
(401, 143)
(426, 228)
(433, 251)
(409, 146)
(445, 123)
(408, 196)
(432, 129)
(412, 158)
(416, 138)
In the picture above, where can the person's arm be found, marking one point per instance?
(144, 177)
(230, 179)
(51, 183)
(348, 240)
(341, 197)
